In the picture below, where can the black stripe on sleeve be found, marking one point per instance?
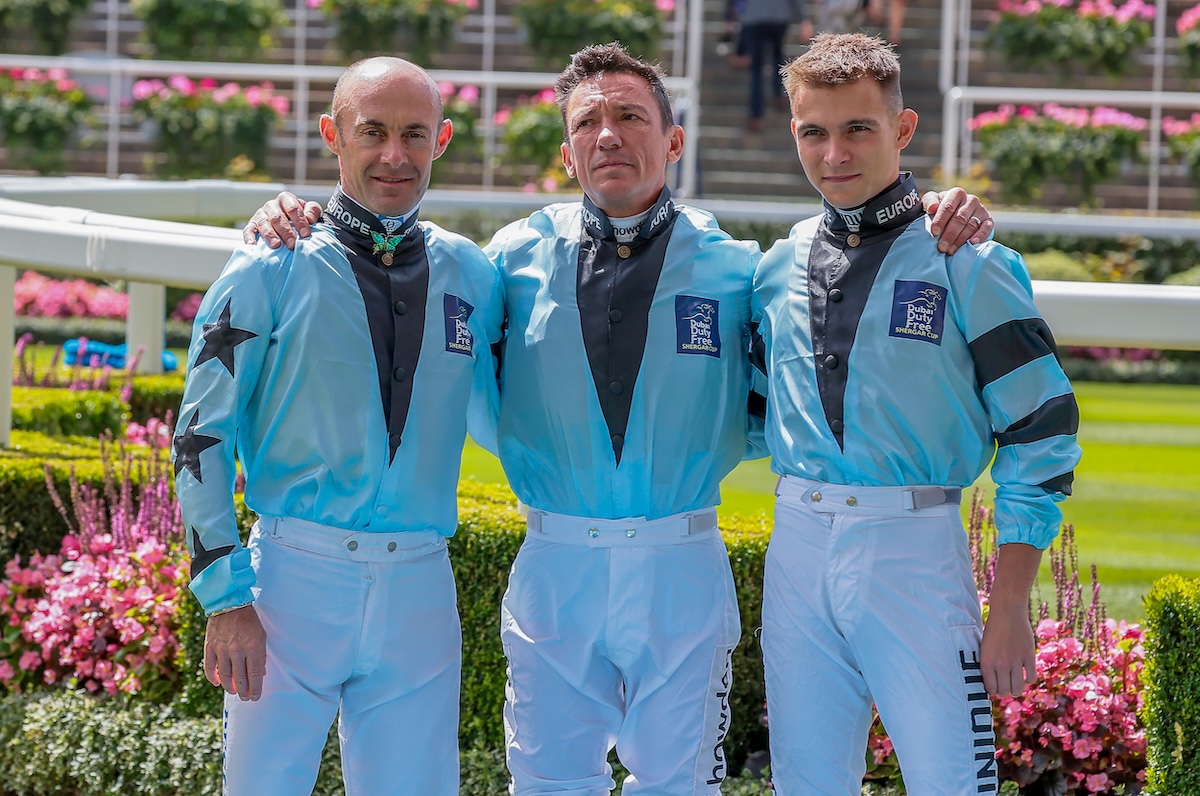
(1010, 345)
(1055, 417)
(757, 405)
(758, 349)
(1059, 483)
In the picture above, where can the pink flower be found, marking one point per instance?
(30, 660)
(665, 6)
(469, 94)
(6, 672)
(182, 84)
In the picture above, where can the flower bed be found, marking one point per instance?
(1095, 36)
(531, 137)
(555, 29)
(1188, 29)
(41, 114)
(209, 30)
(1078, 147)
(1183, 142)
(203, 129)
(372, 27)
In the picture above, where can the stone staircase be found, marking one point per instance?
(734, 163)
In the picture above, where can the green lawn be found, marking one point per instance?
(1136, 507)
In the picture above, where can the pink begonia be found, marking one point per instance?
(545, 95)
(469, 94)
(315, 3)
(1189, 20)
(279, 104)
(208, 83)
(446, 89)
(182, 84)
(6, 672)
(501, 117)
(665, 6)
(29, 660)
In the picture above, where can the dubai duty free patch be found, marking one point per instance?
(918, 311)
(458, 336)
(697, 325)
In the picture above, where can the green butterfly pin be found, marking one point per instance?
(385, 244)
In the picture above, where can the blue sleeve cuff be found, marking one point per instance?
(226, 583)
(1031, 520)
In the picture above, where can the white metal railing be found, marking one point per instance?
(152, 254)
(959, 96)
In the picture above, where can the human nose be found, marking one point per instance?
(394, 153)
(608, 138)
(835, 151)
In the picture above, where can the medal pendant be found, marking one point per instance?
(387, 258)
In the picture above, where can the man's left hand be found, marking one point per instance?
(958, 217)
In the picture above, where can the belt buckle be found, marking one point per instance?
(923, 497)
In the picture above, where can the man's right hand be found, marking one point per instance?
(283, 219)
(235, 652)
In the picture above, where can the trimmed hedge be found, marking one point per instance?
(155, 396)
(68, 742)
(53, 331)
(29, 520)
(63, 413)
(1171, 711)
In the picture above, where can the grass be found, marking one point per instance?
(1136, 507)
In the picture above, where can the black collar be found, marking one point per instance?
(345, 213)
(598, 226)
(896, 206)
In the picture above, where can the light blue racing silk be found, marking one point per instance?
(340, 373)
(892, 364)
(625, 371)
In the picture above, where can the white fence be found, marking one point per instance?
(80, 240)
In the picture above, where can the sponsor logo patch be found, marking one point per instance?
(918, 311)
(458, 335)
(697, 325)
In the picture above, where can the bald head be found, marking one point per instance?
(386, 128)
(369, 73)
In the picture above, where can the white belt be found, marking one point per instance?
(888, 500)
(625, 532)
(364, 546)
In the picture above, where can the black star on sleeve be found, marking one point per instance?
(188, 447)
(202, 556)
(221, 338)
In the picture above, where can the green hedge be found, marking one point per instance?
(53, 331)
(29, 520)
(60, 412)
(63, 413)
(68, 742)
(155, 396)
(1171, 711)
